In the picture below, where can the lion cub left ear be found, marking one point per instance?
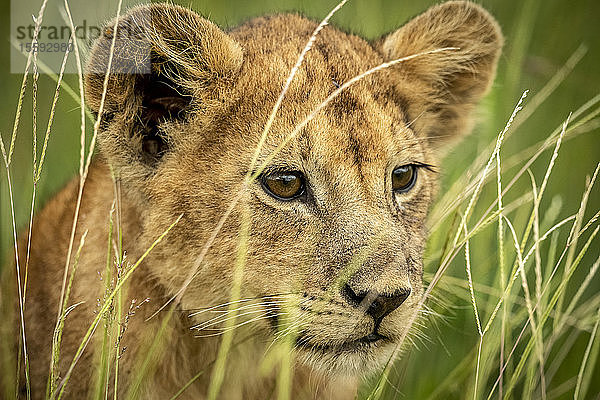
(167, 64)
(441, 89)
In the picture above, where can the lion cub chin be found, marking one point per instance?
(318, 226)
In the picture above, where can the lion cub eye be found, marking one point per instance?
(284, 185)
(404, 178)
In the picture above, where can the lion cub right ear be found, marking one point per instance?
(167, 62)
(441, 89)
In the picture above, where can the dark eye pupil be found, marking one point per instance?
(403, 178)
(284, 185)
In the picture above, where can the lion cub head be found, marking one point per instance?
(336, 213)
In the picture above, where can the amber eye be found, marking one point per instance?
(404, 178)
(284, 185)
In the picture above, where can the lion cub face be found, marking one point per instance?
(336, 212)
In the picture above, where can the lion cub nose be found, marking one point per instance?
(377, 305)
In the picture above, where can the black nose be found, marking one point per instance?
(377, 305)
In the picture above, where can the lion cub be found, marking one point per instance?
(332, 221)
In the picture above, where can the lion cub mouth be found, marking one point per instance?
(367, 342)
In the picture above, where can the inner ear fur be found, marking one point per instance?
(167, 60)
(441, 89)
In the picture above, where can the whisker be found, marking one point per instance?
(244, 300)
(281, 334)
(233, 327)
(267, 306)
(223, 318)
(219, 306)
(293, 326)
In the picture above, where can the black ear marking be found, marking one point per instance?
(163, 100)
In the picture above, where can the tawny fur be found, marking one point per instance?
(191, 160)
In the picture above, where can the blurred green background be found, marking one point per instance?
(540, 37)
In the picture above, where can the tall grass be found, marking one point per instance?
(511, 304)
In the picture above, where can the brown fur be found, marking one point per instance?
(184, 110)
